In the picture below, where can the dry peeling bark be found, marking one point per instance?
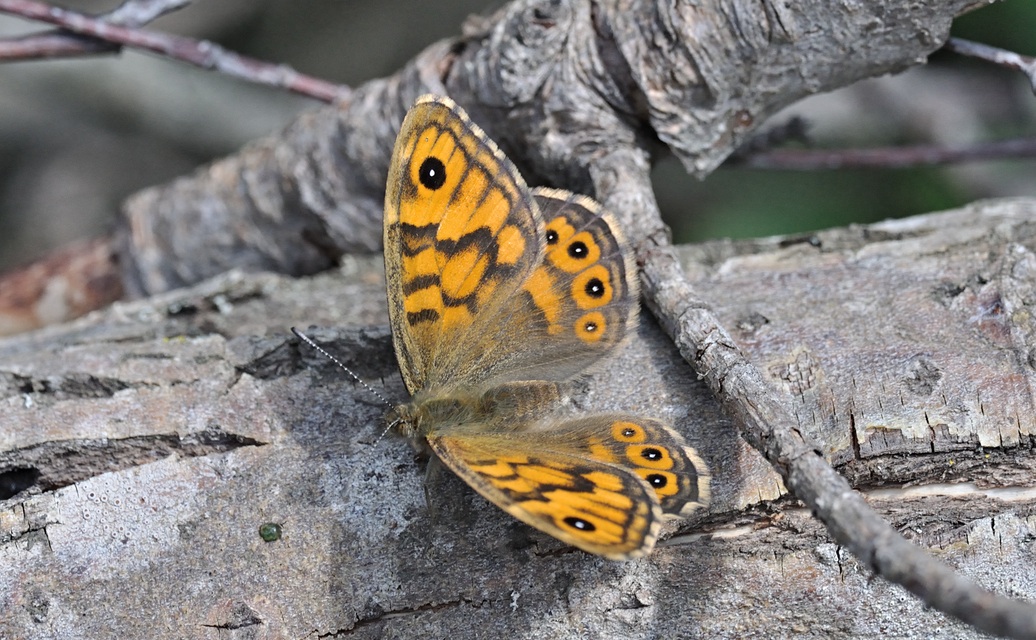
(578, 94)
(159, 435)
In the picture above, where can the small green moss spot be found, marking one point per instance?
(270, 531)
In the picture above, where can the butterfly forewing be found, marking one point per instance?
(461, 233)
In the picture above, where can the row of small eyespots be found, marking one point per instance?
(572, 252)
(652, 461)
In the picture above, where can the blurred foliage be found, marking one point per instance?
(745, 203)
(1009, 25)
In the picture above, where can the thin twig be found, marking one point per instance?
(61, 44)
(1002, 57)
(886, 157)
(137, 13)
(53, 45)
(200, 53)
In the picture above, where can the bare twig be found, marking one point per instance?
(137, 13)
(766, 423)
(886, 157)
(1002, 57)
(200, 53)
(53, 44)
(61, 44)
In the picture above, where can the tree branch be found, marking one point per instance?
(61, 44)
(1004, 58)
(767, 425)
(179, 424)
(886, 157)
(203, 54)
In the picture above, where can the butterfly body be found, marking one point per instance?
(498, 295)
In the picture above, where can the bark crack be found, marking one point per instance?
(51, 465)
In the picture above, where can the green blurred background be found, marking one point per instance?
(78, 136)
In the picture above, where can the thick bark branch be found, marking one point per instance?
(158, 436)
(557, 84)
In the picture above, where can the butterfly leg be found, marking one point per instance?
(432, 476)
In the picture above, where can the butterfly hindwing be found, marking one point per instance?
(602, 483)
(598, 507)
(655, 452)
(581, 300)
(573, 308)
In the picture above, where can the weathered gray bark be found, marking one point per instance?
(166, 431)
(578, 94)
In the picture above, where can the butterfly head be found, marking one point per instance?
(404, 419)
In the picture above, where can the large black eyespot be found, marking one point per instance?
(432, 173)
(657, 480)
(651, 454)
(578, 250)
(579, 523)
(594, 288)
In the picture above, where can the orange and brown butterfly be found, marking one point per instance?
(499, 294)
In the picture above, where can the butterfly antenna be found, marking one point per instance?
(373, 391)
(389, 427)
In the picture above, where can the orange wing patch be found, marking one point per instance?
(601, 508)
(461, 234)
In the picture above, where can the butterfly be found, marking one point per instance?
(498, 296)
